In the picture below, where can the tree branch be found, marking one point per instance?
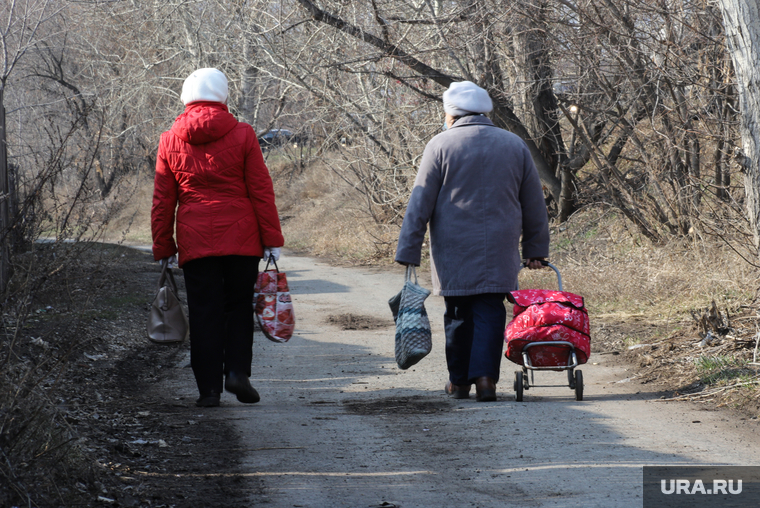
(503, 114)
(389, 49)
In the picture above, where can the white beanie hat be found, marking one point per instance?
(205, 85)
(464, 98)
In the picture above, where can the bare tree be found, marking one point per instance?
(626, 104)
(742, 22)
(20, 22)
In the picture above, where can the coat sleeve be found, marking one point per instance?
(427, 185)
(535, 222)
(261, 194)
(164, 206)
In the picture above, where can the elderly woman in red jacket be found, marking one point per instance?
(210, 170)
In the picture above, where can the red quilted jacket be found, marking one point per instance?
(212, 167)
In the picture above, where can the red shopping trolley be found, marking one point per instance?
(549, 331)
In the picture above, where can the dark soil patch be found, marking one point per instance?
(354, 322)
(397, 405)
(138, 445)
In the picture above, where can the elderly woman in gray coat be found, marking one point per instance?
(480, 192)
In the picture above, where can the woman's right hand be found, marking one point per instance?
(273, 252)
(535, 263)
(172, 260)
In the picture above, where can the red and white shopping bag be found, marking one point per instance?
(273, 306)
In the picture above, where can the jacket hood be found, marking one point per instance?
(203, 122)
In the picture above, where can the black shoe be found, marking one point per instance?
(485, 389)
(209, 399)
(240, 385)
(457, 391)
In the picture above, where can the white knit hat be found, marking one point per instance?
(205, 85)
(464, 98)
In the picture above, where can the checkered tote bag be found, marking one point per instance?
(413, 336)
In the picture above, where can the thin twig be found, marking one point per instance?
(709, 394)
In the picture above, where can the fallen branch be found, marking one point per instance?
(692, 396)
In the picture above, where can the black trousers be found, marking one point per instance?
(220, 301)
(474, 328)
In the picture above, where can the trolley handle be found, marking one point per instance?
(546, 263)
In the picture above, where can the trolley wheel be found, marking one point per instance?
(518, 386)
(571, 379)
(578, 385)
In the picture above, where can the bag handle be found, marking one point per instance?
(272, 260)
(167, 279)
(546, 263)
(411, 270)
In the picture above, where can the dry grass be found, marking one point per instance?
(636, 292)
(621, 274)
(131, 225)
(324, 216)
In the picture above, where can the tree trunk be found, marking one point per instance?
(741, 19)
(247, 107)
(5, 199)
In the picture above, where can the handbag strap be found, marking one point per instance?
(271, 259)
(167, 279)
(411, 270)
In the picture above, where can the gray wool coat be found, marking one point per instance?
(479, 190)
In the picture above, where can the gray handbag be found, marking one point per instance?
(413, 335)
(167, 321)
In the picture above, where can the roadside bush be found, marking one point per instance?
(41, 455)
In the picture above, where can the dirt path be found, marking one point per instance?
(339, 425)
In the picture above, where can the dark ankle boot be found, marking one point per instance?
(240, 385)
(485, 389)
(208, 399)
(458, 391)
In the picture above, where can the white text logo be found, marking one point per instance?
(698, 487)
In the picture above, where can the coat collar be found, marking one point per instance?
(472, 120)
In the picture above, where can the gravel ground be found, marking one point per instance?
(339, 425)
